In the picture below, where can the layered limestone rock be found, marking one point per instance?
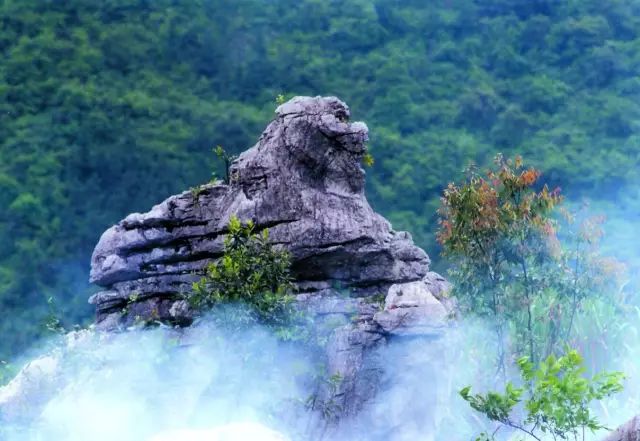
(303, 181)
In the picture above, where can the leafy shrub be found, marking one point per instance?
(511, 264)
(557, 399)
(251, 272)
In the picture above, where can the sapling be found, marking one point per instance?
(510, 263)
(553, 401)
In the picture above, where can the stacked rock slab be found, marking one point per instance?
(304, 182)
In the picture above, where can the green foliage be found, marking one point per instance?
(555, 399)
(108, 107)
(227, 160)
(367, 159)
(251, 272)
(377, 300)
(510, 264)
(495, 406)
(325, 397)
(54, 323)
(195, 193)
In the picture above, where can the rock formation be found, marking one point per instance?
(630, 431)
(304, 182)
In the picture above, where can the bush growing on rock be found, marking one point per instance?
(253, 273)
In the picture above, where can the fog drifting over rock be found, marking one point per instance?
(207, 383)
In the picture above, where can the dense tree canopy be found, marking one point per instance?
(107, 107)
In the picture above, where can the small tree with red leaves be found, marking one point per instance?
(500, 230)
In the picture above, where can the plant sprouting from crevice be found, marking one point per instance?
(53, 323)
(367, 159)
(227, 159)
(252, 272)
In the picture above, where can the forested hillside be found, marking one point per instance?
(108, 107)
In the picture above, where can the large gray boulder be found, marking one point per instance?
(363, 283)
(303, 181)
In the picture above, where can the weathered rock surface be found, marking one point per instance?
(24, 395)
(304, 182)
(630, 431)
(412, 309)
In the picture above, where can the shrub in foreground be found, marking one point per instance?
(554, 400)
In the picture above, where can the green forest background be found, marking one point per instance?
(108, 107)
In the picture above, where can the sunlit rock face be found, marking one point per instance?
(412, 309)
(303, 181)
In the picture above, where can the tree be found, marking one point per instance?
(557, 399)
(511, 265)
